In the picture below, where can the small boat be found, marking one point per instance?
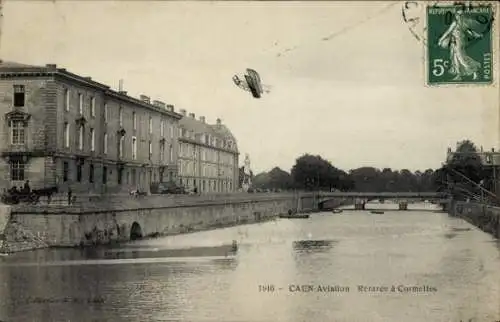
(295, 216)
(380, 212)
(337, 211)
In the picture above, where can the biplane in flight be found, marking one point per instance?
(251, 83)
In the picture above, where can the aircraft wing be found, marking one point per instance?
(256, 78)
(253, 88)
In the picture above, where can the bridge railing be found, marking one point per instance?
(384, 194)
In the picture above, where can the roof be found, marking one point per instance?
(9, 68)
(11, 64)
(220, 131)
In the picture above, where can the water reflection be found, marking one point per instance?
(312, 246)
(414, 248)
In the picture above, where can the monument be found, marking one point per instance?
(247, 174)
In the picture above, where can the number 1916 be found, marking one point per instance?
(266, 288)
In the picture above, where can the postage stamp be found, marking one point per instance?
(459, 44)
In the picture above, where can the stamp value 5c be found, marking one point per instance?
(459, 44)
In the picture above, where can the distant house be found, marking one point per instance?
(208, 155)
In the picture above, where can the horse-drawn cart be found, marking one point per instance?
(14, 196)
(11, 197)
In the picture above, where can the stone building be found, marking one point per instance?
(208, 155)
(62, 129)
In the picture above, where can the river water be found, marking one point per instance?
(442, 269)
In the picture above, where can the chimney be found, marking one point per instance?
(191, 115)
(159, 104)
(219, 122)
(144, 98)
(120, 85)
(88, 78)
(123, 92)
(170, 107)
(202, 119)
(183, 112)
(51, 66)
(492, 149)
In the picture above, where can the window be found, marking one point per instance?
(79, 168)
(120, 175)
(80, 103)
(65, 171)
(80, 137)
(66, 134)
(91, 173)
(92, 107)
(133, 177)
(106, 112)
(121, 116)
(171, 127)
(17, 132)
(150, 125)
(66, 99)
(120, 146)
(17, 170)
(162, 151)
(134, 120)
(19, 95)
(104, 175)
(162, 128)
(92, 140)
(150, 150)
(105, 145)
(170, 154)
(134, 148)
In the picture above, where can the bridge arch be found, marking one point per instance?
(135, 231)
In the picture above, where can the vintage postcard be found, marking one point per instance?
(249, 161)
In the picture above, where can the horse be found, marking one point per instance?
(45, 192)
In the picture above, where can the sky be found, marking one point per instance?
(357, 99)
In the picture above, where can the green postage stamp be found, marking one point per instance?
(460, 44)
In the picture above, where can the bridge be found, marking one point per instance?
(384, 195)
(360, 198)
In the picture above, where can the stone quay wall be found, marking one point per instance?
(120, 218)
(487, 218)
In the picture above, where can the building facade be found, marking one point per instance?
(208, 155)
(65, 130)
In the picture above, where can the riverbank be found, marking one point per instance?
(120, 219)
(484, 217)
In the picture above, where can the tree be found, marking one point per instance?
(261, 181)
(463, 173)
(313, 172)
(466, 161)
(366, 179)
(279, 179)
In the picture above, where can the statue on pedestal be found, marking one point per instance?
(247, 174)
